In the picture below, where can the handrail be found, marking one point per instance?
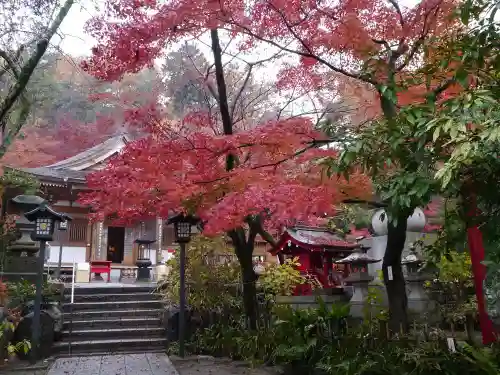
(73, 283)
(70, 335)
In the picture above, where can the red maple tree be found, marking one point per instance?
(373, 42)
(244, 182)
(249, 183)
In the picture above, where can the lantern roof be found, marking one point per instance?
(358, 257)
(45, 210)
(412, 258)
(145, 241)
(28, 199)
(182, 218)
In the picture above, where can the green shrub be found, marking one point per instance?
(210, 284)
(282, 279)
(317, 342)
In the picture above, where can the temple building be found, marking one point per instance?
(83, 241)
(61, 183)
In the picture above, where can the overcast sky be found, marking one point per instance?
(76, 42)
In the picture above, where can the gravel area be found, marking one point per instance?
(198, 365)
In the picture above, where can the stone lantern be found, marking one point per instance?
(143, 261)
(418, 300)
(24, 244)
(358, 278)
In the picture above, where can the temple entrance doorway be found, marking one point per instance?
(116, 244)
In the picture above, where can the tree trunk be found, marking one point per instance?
(249, 291)
(393, 276)
(243, 248)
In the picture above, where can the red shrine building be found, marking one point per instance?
(317, 250)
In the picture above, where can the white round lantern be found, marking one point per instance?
(379, 222)
(416, 222)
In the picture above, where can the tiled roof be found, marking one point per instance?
(75, 168)
(56, 174)
(92, 156)
(319, 237)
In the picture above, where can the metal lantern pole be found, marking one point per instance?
(35, 333)
(182, 298)
(44, 218)
(182, 225)
(63, 226)
(59, 262)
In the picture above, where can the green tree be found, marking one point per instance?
(447, 142)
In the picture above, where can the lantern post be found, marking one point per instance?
(63, 227)
(182, 226)
(45, 219)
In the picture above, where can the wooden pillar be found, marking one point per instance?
(129, 251)
(89, 241)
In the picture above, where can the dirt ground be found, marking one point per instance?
(216, 366)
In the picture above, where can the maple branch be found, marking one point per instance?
(398, 10)
(255, 223)
(312, 145)
(360, 76)
(311, 54)
(434, 94)
(247, 78)
(240, 91)
(416, 46)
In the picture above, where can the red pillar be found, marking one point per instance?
(476, 248)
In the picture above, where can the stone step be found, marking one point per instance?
(111, 305)
(129, 345)
(111, 289)
(113, 314)
(138, 350)
(142, 296)
(127, 322)
(97, 334)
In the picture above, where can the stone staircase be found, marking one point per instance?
(111, 319)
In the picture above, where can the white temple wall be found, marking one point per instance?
(69, 254)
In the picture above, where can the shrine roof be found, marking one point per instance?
(313, 237)
(75, 169)
(50, 174)
(93, 155)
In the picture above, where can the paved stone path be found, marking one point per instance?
(130, 364)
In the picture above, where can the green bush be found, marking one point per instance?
(282, 279)
(211, 285)
(452, 287)
(317, 342)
